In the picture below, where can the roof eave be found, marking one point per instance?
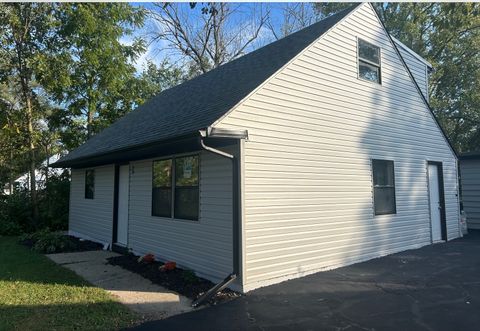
(181, 144)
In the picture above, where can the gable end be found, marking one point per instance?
(414, 82)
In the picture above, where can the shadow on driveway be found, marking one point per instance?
(436, 287)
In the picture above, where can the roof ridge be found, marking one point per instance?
(272, 44)
(200, 101)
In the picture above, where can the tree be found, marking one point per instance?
(155, 79)
(25, 33)
(11, 139)
(448, 36)
(294, 16)
(207, 35)
(92, 67)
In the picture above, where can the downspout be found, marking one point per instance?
(235, 210)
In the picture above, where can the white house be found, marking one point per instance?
(316, 151)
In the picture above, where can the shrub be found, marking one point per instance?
(9, 228)
(15, 213)
(45, 241)
(53, 203)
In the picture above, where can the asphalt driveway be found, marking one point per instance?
(433, 288)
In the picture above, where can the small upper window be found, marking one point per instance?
(383, 187)
(369, 61)
(89, 184)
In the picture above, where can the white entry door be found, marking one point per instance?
(435, 202)
(123, 190)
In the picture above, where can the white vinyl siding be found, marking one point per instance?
(470, 174)
(418, 69)
(92, 218)
(204, 245)
(313, 130)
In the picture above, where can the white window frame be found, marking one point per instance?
(377, 65)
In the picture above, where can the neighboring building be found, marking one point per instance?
(313, 152)
(23, 181)
(470, 180)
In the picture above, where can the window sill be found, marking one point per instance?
(369, 81)
(172, 219)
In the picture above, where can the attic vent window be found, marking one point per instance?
(368, 62)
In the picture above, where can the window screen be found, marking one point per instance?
(162, 188)
(368, 61)
(383, 187)
(89, 184)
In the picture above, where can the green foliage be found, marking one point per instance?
(93, 68)
(75, 64)
(54, 202)
(26, 36)
(154, 79)
(46, 241)
(9, 227)
(15, 213)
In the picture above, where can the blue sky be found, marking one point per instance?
(158, 51)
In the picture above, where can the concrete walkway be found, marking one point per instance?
(436, 288)
(141, 295)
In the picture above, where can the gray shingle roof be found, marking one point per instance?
(196, 104)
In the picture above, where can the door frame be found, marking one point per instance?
(116, 247)
(443, 215)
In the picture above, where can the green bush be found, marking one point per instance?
(45, 241)
(15, 213)
(9, 228)
(53, 202)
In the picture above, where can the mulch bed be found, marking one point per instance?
(178, 280)
(84, 245)
(78, 245)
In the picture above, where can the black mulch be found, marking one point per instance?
(76, 245)
(84, 245)
(179, 280)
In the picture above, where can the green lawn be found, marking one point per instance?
(37, 294)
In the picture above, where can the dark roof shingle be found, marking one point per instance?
(196, 104)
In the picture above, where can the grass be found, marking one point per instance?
(37, 294)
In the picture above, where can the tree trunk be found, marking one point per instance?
(10, 175)
(48, 166)
(25, 76)
(90, 115)
(46, 189)
(31, 150)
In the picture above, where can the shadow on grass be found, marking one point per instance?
(80, 316)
